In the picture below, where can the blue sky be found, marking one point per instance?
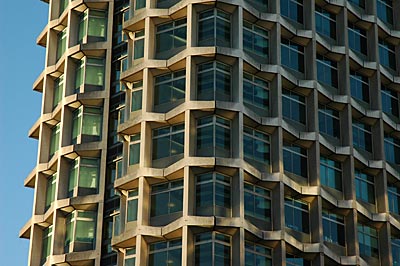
(21, 62)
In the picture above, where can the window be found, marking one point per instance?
(138, 45)
(327, 72)
(132, 205)
(50, 191)
(362, 136)
(168, 141)
(214, 28)
(58, 90)
(61, 43)
(257, 202)
(325, 23)
(212, 249)
(359, 85)
(292, 55)
(394, 198)
(257, 255)
(392, 149)
(47, 239)
(134, 149)
(214, 82)
(80, 234)
(357, 39)
(329, 121)
(293, 260)
(137, 91)
(292, 9)
(256, 92)
(213, 194)
(387, 54)
(169, 90)
(130, 257)
(255, 40)
(295, 159)
(395, 243)
(166, 253)
(330, 173)
(296, 215)
(294, 106)
(384, 10)
(166, 198)
(89, 71)
(368, 240)
(213, 137)
(86, 124)
(92, 26)
(260, 5)
(55, 139)
(333, 227)
(256, 146)
(365, 187)
(63, 6)
(83, 176)
(166, 3)
(390, 101)
(358, 3)
(169, 37)
(139, 4)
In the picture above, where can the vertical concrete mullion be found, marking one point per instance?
(141, 251)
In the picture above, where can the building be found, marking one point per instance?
(243, 132)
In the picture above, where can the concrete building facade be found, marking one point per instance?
(241, 132)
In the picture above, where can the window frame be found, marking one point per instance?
(305, 226)
(169, 247)
(256, 82)
(176, 25)
(132, 198)
(71, 222)
(289, 15)
(323, 118)
(255, 30)
(74, 181)
(394, 99)
(213, 241)
(333, 219)
(293, 48)
(332, 75)
(326, 164)
(214, 68)
(288, 148)
(255, 252)
(325, 17)
(214, 124)
(266, 197)
(216, 15)
(134, 149)
(358, 129)
(79, 116)
(169, 190)
(175, 77)
(291, 97)
(173, 131)
(364, 232)
(361, 180)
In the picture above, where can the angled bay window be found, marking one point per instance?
(394, 198)
(134, 149)
(257, 204)
(166, 253)
(214, 82)
(390, 101)
(294, 106)
(83, 176)
(392, 149)
(256, 147)
(330, 173)
(255, 40)
(168, 141)
(80, 234)
(260, 5)
(92, 26)
(62, 6)
(293, 260)
(132, 205)
(89, 72)
(212, 249)
(327, 71)
(384, 10)
(292, 55)
(295, 159)
(50, 191)
(368, 240)
(358, 3)
(213, 137)
(169, 90)
(387, 54)
(359, 85)
(137, 95)
(296, 215)
(365, 187)
(329, 121)
(166, 198)
(256, 93)
(257, 255)
(325, 22)
(54, 139)
(362, 136)
(58, 90)
(139, 4)
(214, 28)
(138, 45)
(130, 257)
(86, 124)
(357, 39)
(213, 194)
(170, 38)
(61, 43)
(292, 9)
(333, 228)
(47, 239)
